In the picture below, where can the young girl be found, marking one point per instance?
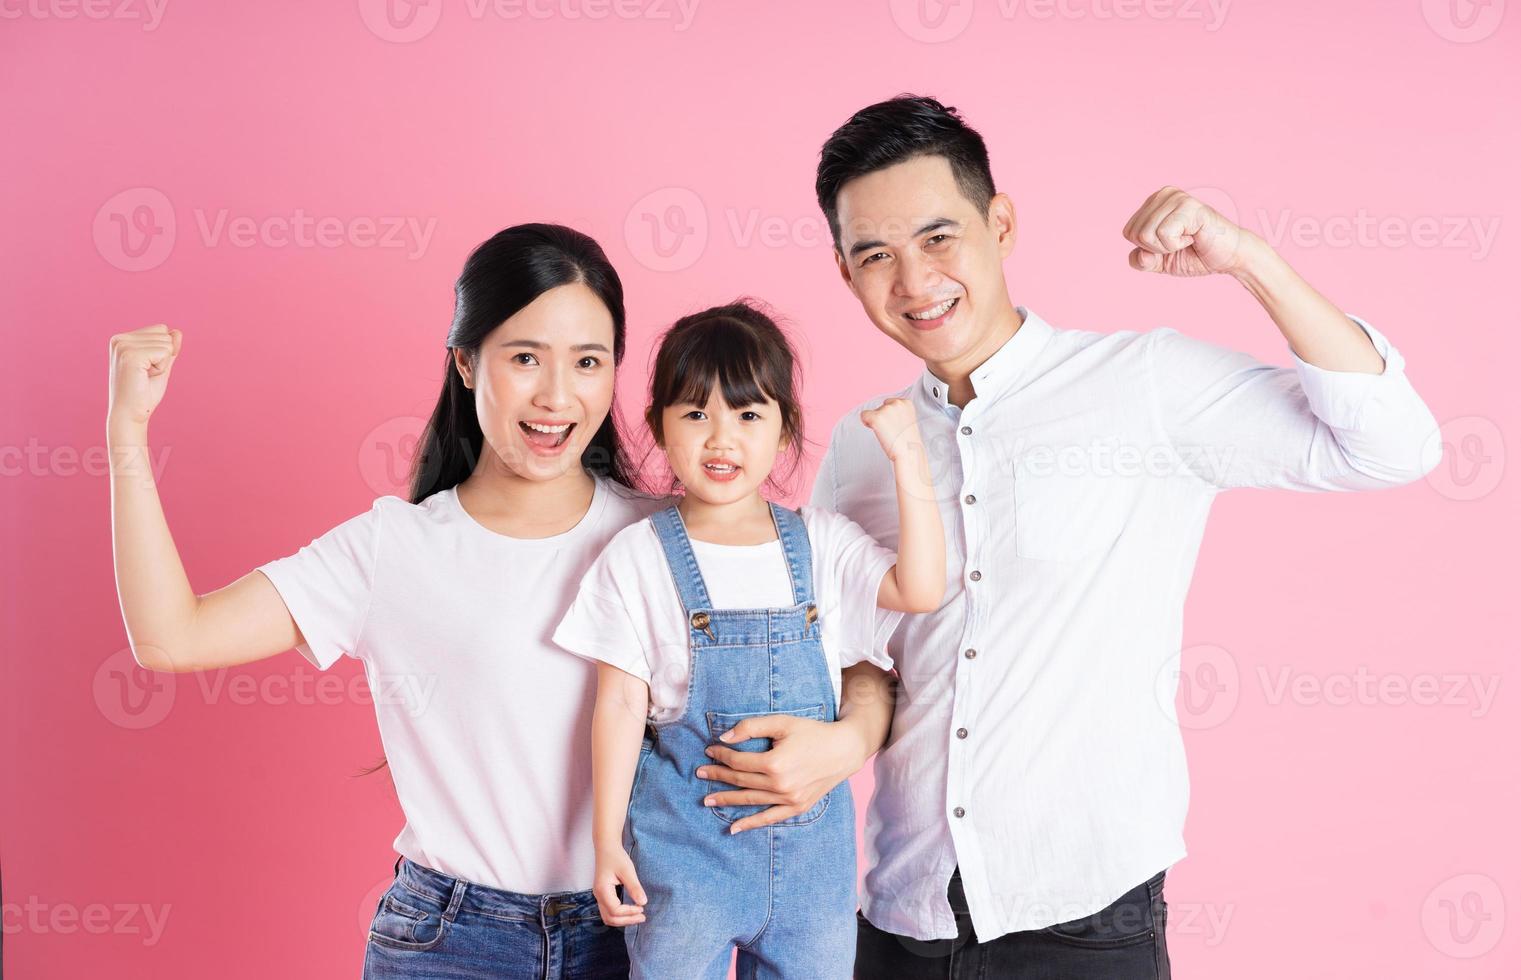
(726, 607)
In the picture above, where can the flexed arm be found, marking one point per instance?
(1345, 417)
(169, 626)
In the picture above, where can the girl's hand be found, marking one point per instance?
(614, 868)
(140, 364)
(896, 424)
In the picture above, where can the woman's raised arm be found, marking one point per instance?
(169, 626)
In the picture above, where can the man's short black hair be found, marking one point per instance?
(900, 129)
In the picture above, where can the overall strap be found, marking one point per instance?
(799, 553)
(682, 562)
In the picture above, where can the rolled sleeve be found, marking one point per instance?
(1383, 424)
(1303, 428)
(1338, 397)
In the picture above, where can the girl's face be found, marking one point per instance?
(720, 453)
(543, 382)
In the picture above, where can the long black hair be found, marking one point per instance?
(505, 273)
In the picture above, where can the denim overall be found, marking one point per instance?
(785, 895)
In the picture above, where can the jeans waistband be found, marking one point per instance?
(456, 894)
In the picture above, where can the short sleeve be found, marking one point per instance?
(599, 627)
(600, 623)
(849, 565)
(327, 586)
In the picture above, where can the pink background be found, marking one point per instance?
(1327, 838)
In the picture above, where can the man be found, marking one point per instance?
(1032, 792)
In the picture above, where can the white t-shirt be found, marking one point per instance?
(629, 614)
(485, 721)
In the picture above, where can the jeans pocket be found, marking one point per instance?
(407, 921)
(720, 722)
(1126, 922)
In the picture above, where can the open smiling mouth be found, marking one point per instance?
(934, 316)
(542, 436)
(721, 472)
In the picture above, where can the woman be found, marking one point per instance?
(450, 600)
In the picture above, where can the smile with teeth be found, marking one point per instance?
(719, 469)
(545, 434)
(934, 312)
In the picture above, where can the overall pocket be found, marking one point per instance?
(408, 921)
(720, 722)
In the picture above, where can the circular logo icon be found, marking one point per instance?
(134, 230)
(1199, 687)
(932, 21)
(1464, 916)
(1463, 21)
(387, 453)
(131, 696)
(1472, 458)
(400, 21)
(667, 230)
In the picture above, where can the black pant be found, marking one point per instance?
(1125, 941)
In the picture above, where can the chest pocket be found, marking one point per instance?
(1071, 502)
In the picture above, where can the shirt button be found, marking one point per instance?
(935, 392)
(961, 733)
(970, 654)
(966, 430)
(976, 576)
(971, 498)
(959, 811)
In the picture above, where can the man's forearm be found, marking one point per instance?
(866, 707)
(1319, 333)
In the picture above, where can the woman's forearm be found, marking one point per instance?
(157, 602)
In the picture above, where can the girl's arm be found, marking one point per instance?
(168, 625)
(623, 701)
(916, 584)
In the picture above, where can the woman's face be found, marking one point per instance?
(543, 382)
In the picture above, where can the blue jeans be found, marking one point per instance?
(784, 896)
(429, 926)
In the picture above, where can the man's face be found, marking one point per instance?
(926, 266)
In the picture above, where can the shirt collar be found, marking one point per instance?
(999, 372)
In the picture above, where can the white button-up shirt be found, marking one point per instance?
(1034, 742)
